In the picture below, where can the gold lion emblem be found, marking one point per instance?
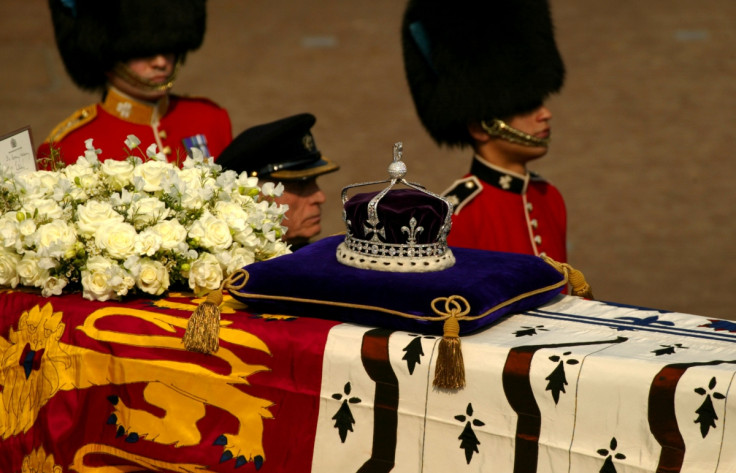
(36, 365)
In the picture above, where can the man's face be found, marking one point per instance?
(154, 70)
(303, 219)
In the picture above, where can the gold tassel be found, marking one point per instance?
(578, 285)
(449, 372)
(203, 330)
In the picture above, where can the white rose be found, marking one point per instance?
(82, 174)
(95, 214)
(31, 274)
(172, 233)
(57, 239)
(8, 263)
(205, 274)
(96, 278)
(46, 208)
(211, 233)
(152, 277)
(151, 173)
(119, 173)
(233, 214)
(147, 211)
(117, 239)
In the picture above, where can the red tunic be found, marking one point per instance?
(175, 124)
(503, 211)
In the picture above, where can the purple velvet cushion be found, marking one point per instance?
(315, 277)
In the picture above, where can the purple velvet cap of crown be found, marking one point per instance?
(395, 211)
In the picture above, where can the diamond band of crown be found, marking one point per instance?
(401, 243)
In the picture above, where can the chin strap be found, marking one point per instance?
(500, 129)
(123, 71)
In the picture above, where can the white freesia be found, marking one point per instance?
(135, 223)
(9, 230)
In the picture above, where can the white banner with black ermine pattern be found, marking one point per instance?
(575, 386)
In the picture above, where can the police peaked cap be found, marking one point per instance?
(94, 35)
(283, 150)
(470, 61)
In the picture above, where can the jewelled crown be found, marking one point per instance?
(399, 230)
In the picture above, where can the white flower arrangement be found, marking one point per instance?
(110, 228)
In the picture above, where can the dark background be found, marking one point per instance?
(643, 131)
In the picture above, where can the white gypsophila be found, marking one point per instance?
(150, 175)
(55, 239)
(53, 286)
(29, 271)
(117, 239)
(46, 209)
(205, 274)
(211, 233)
(119, 173)
(95, 214)
(172, 233)
(147, 211)
(148, 243)
(151, 277)
(8, 268)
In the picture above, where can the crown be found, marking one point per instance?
(399, 230)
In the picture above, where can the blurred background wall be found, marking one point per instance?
(644, 148)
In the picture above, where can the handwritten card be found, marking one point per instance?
(17, 152)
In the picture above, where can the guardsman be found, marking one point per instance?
(131, 51)
(479, 75)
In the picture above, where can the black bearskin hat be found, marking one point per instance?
(470, 61)
(94, 35)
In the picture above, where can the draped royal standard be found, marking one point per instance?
(573, 386)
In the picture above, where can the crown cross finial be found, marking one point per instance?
(412, 231)
(397, 168)
(375, 231)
